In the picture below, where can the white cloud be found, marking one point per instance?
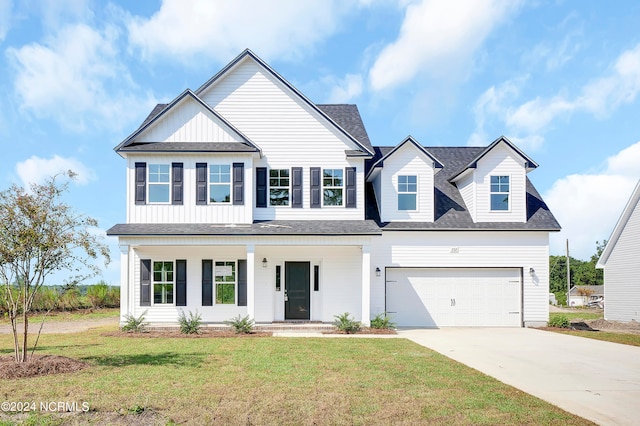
(75, 78)
(589, 205)
(187, 30)
(437, 37)
(37, 170)
(5, 17)
(346, 90)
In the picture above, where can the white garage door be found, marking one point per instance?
(442, 297)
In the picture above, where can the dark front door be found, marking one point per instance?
(296, 290)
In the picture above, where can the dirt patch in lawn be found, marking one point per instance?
(175, 333)
(39, 365)
(601, 324)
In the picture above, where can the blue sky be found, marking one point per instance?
(561, 79)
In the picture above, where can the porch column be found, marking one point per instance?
(126, 294)
(251, 275)
(366, 285)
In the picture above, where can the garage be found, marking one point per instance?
(446, 297)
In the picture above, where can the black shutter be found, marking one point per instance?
(316, 187)
(201, 183)
(238, 184)
(350, 186)
(176, 182)
(145, 282)
(181, 283)
(141, 183)
(207, 282)
(296, 187)
(242, 283)
(261, 187)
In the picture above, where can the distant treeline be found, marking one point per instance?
(69, 298)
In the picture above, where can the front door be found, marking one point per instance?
(296, 290)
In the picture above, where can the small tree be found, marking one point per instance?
(40, 234)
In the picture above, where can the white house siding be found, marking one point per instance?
(290, 133)
(188, 122)
(340, 274)
(622, 274)
(467, 249)
(189, 212)
(467, 189)
(407, 160)
(501, 161)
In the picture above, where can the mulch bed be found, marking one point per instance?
(601, 324)
(39, 365)
(174, 333)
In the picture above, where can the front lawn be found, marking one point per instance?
(272, 381)
(623, 338)
(578, 314)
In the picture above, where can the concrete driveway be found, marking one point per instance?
(597, 380)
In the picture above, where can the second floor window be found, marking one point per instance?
(219, 183)
(332, 183)
(407, 192)
(279, 187)
(499, 193)
(159, 183)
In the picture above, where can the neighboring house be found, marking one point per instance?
(246, 198)
(583, 295)
(620, 260)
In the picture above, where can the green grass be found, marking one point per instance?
(586, 315)
(623, 338)
(284, 381)
(77, 315)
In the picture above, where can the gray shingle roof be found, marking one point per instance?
(348, 117)
(190, 147)
(273, 227)
(450, 209)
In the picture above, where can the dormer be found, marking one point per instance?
(403, 182)
(493, 184)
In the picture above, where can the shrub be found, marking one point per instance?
(241, 325)
(190, 325)
(133, 324)
(346, 324)
(46, 299)
(559, 321)
(382, 321)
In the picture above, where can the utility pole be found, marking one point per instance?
(568, 274)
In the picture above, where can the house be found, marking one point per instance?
(583, 295)
(246, 198)
(620, 260)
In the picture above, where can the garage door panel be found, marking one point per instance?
(440, 297)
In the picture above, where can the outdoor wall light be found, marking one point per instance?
(264, 262)
(532, 271)
(377, 272)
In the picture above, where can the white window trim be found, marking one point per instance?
(508, 210)
(154, 282)
(149, 183)
(278, 206)
(417, 209)
(329, 206)
(209, 183)
(235, 283)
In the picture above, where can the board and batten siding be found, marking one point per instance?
(467, 249)
(622, 274)
(188, 122)
(407, 160)
(290, 133)
(189, 211)
(501, 161)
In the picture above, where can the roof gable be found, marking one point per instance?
(632, 204)
(164, 110)
(343, 114)
(408, 141)
(473, 164)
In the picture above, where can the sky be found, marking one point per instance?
(560, 79)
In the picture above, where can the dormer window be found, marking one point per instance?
(499, 193)
(407, 192)
(332, 182)
(279, 187)
(159, 183)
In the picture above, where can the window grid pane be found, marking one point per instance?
(163, 283)
(499, 193)
(159, 179)
(332, 182)
(279, 187)
(407, 192)
(225, 277)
